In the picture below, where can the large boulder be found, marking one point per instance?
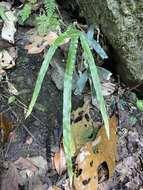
(121, 21)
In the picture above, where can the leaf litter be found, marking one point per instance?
(95, 154)
(92, 155)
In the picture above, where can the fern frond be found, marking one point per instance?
(67, 135)
(50, 6)
(59, 41)
(96, 81)
(45, 23)
(26, 12)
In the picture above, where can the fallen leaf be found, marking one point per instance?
(6, 127)
(92, 155)
(12, 89)
(8, 30)
(39, 43)
(7, 59)
(83, 127)
(10, 180)
(59, 161)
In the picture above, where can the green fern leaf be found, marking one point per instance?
(95, 79)
(67, 136)
(50, 6)
(40, 78)
(59, 41)
(26, 12)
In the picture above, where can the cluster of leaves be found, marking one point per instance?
(47, 18)
(74, 35)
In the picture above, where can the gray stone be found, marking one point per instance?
(121, 21)
(58, 71)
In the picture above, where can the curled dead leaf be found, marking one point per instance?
(59, 161)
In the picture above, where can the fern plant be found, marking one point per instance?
(75, 35)
(50, 7)
(47, 18)
(26, 12)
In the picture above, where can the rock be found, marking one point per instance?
(122, 23)
(58, 71)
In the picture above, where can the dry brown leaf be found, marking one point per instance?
(88, 161)
(10, 179)
(82, 126)
(6, 127)
(59, 161)
(39, 43)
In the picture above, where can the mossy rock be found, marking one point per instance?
(122, 23)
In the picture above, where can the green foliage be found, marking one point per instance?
(26, 12)
(50, 6)
(95, 80)
(40, 78)
(2, 13)
(45, 23)
(74, 35)
(47, 19)
(67, 135)
(139, 104)
(59, 41)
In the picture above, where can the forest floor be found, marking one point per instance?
(38, 137)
